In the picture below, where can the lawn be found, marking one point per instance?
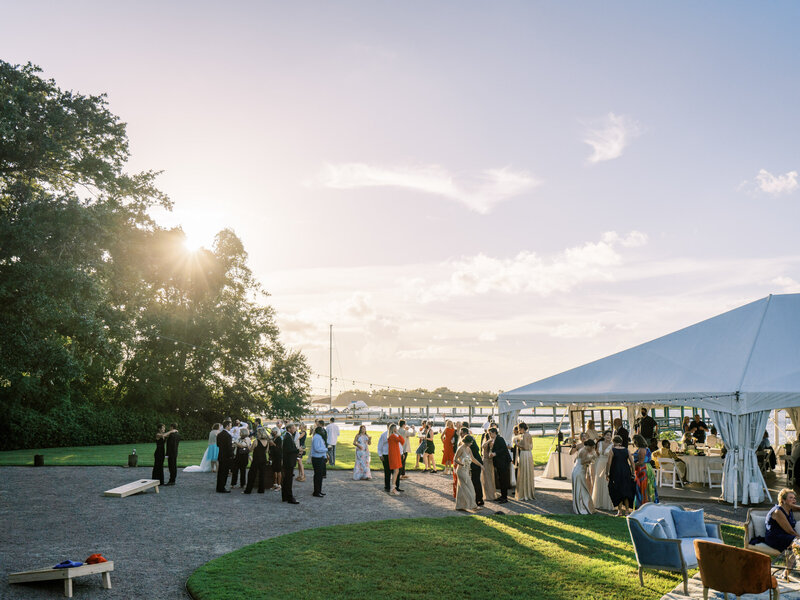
(191, 452)
(541, 556)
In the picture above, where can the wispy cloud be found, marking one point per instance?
(776, 184)
(528, 272)
(610, 139)
(480, 193)
(788, 285)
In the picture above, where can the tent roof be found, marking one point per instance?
(744, 360)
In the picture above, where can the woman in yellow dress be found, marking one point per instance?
(526, 488)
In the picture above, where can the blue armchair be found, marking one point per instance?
(660, 548)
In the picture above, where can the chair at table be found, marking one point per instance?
(666, 471)
(714, 467)
(728, 569)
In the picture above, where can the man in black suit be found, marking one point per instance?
(475, 470)
(225, 444)
(290, 452)
(173, 440)
(502, 463)
(622, 432)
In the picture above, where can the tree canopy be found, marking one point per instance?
(101, 305)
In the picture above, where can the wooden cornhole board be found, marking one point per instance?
(133, 488)
(66, 574)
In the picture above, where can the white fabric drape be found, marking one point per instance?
(794, 415)
(204, 467)
(507, 422)
(741, 435)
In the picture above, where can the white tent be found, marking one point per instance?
(738, 366)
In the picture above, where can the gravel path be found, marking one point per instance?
(158, 540)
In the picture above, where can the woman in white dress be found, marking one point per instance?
(526, 486)
(581, 494)
(465, 491)
(600, 496)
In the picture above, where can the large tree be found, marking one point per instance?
(100, 304)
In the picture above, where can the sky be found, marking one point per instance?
(474, 194)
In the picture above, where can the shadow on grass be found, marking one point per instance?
(502, 556)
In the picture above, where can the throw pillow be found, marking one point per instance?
(689, 523)
(655, 528)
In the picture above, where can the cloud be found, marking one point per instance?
(479, 193)
(776, 184)
(578, 330)
(612, 137)
(789, 285)
(528, 272)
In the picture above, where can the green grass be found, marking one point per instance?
(191, 452)
(539, 556)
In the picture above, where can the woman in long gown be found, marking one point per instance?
(258, 467)
(600, 495)
(159, 454)
(447, 446)
(487, 476)
(210, 459)
(362, 442)
(645, 475)
(526, 486)
(619, 474)
(581, 494)
(465, 493)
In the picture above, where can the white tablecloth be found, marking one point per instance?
(567, 462)
(696, 468)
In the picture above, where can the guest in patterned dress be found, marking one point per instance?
(362, 442)
(645, 474)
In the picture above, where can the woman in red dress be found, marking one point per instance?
(447, 446)
(395, 456)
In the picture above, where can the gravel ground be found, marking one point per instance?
(158, 540)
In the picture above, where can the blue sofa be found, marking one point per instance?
(663, 549)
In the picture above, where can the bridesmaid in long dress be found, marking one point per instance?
(362, 442)
(619, 473)
(487, 476)
(600, 495)
(581, 495)
(465, 494)
(447, 446)
(158, 455)
(526, 487)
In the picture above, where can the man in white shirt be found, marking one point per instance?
(383, 453)
(333, 434)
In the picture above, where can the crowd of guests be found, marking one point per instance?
(254, 455)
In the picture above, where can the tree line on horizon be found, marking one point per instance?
(107, 321)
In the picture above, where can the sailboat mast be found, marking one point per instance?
(330, 370)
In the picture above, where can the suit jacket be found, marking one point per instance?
(502, 459)
(225, 443)
(476, 452)
(172, 444)
(290, 451)
(623, 433)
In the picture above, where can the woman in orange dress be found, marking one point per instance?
(447, 446)
(395, 456)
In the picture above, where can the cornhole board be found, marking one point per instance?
(134, 487)
(66, 574)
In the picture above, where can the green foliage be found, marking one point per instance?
(101, 307)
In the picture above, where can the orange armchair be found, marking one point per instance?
(734, 570)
